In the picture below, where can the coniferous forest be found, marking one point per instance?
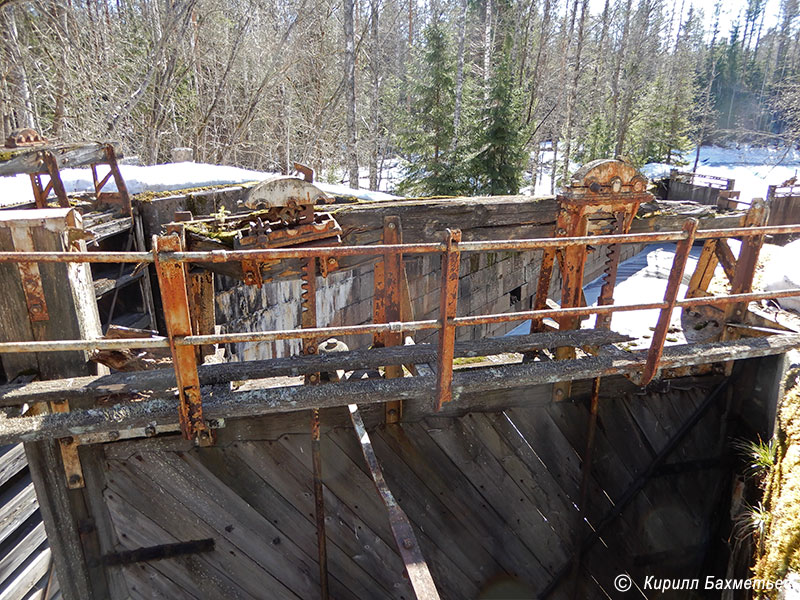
(462, 94)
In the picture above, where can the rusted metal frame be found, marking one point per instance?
(543, 286)
(574, 223)
(670, 297)
(51, 164)
(99, 185)
(704, 271)
(73, 471)
(261, 336)
(175, 300)
(625, 499)
(387, 301)
(586, 475)
(448, 306)
(30, 277)
(308, 320)
(150, 553)
(417, 569)
(218, 256)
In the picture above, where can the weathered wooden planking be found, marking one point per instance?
(36, 567)
(346, 526)
(12, 461)
(17, 503)
(468, 385)
(163, 380)
(443, 479)
(192, 576)
(428, 514)
(24, 544)
(508, 499)
(346, 579)
(351, 484)
(68, 156)
(164, 499)
(253, 536)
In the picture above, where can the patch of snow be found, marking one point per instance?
(157, 178)
(783, 273)
(752, 168)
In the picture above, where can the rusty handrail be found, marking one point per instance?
(430, 324)
(216, 256)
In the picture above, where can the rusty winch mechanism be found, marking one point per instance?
(603, 198)
(283, 215)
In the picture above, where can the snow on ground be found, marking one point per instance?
(640, 280)
(753, 168)
(160, 178)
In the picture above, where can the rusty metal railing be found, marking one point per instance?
(450, 251)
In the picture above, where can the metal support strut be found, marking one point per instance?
(448, 304)
(175, 299)
(308, 320)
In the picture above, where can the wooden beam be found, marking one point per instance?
(126, 385)
(468, 385)
(68, 156)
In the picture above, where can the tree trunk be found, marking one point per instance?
(487, 50)
(375, 65)
(462, 34)
(573, 95)
(350, 88)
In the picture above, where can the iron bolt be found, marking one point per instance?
(68, 441)
(390, 225)
(408, 544)
(113, 435)
(150, 430)
(75, 479)
(559, 393)
(331, 261)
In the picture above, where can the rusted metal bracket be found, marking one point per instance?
(175, 300)
(29, 274)
(670, 297)
(73, 471)
(308, 320)
(418, 573)
(448, 306)
(160, 552)
(387, 301)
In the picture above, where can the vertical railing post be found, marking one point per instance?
(448, 306)
(175, 301)
(670, 297)
(387, 300)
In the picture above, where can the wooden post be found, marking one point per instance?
(51, 302)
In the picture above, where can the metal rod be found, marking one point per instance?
(586, 475)
(448, 304)
(670, 298)
(261, 336)
(380, 249)
(175, 299)
(418, 573)
(319, 504)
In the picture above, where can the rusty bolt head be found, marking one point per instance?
(331, 261)
(391, 225)
(559, 393)
(408, 544)
(113, 435)
(393, 412)
(313, 377)
(150, 430)
(75, 479)
(68, 441)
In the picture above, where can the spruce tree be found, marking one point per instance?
(499, 161)
(433, 166)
